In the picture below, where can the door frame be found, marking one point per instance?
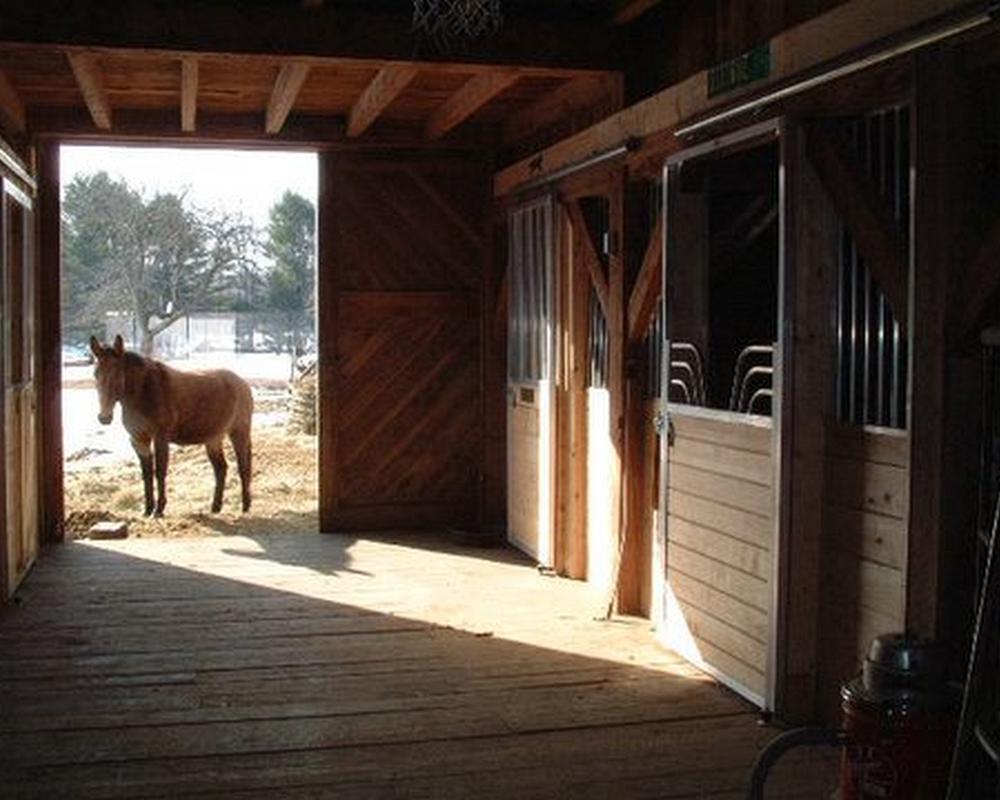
(14, 199)
(777, 130)
(543, 389)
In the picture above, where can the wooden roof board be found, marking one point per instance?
(41, 77)
(136, 82)
(235, 86)
(333, 89)
(424, 95)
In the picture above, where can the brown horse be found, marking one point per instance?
(162, 405)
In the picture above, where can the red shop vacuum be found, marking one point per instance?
(898, 726)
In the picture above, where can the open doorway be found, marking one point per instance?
(200, 259)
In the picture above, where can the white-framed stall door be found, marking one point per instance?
(717, 544)
(530, 376)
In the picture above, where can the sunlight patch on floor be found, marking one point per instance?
(484, 593)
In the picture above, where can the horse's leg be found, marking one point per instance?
(241, 445)
(145, 453)
(161, 451)
(218, 459)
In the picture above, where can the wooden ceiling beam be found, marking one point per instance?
(236, 128)
(844, 29)
(91, 82)
(11, 105)
(384, 88)
(189, 93)
(287, 86)
(472, 96)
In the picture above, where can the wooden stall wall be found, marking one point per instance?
(863, 547)
(602, 539)
(403, 248)
(720, 536)
(677, 39)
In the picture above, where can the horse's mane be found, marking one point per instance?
(132, 359)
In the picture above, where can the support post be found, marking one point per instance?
(49, 265)
(809, 232)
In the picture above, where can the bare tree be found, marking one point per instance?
(157, 259)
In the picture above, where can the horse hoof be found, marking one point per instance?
(216, 508)
(158, 513)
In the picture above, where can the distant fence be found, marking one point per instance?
(233, 331)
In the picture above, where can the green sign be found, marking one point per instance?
(751, 66)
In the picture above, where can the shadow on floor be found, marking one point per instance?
(193, 668)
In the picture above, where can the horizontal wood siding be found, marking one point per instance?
(864, 540)
(522, 476)
(720, 533)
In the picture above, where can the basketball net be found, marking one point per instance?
(452, 23)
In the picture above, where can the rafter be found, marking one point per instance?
(91, 82)
(593, 261)
(384, 88)
(11, 105)
(189, 93)
(286, 89)
(866, 215)
(646, 291)
(473, 95)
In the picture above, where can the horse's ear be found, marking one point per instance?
(95, 347)
(119, 345)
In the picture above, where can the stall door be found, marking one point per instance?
(720, 376)
(20, 395)
(530, 373)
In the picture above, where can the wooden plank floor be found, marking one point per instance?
(311, 666)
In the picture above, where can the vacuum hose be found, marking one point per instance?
(797, 737)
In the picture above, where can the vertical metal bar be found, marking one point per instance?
(514, 287)
(853, 415)
(866, 416)
(881, 309)
(841, 382)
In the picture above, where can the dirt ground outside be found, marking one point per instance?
(103, 480)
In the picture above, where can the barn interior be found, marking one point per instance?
(692, 304)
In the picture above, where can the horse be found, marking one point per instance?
(161, 405)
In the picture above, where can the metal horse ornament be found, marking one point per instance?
(161, 405)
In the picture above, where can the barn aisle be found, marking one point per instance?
(310, 666)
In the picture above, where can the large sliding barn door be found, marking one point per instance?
(19, 437)
(530, 373)
(402, 251)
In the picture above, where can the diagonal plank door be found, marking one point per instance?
(401, 416)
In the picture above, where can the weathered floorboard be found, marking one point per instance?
(314, 666)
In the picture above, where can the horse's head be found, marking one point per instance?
(109, 373)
